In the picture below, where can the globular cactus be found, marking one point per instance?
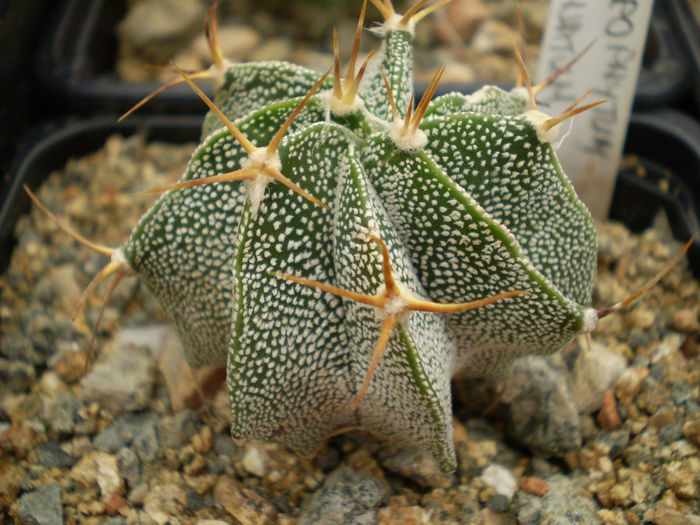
(346, 255)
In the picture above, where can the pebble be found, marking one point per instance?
(608, 417)
(158, 27)
(629, 383)
(177, 430)
(534, 486)
(129, 466)
(246, 505)
(15, 376)
(685, 320)
(107, 476)
(418, 466)
(493, 36)
(61, 413)
(122, 381)
(346, 497)
(236, 41)
(595, 371)
(255, 460)
(53, 456)
(541, 411)
(500, 479)
(564, 503)
(42, 507)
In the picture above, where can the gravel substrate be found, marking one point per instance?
(606, 431)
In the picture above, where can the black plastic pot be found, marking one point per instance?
(665, 175)
(51, 146)
(76, 65)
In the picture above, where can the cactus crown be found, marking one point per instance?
(345, 255)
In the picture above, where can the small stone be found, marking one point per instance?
(255, 460)
(158, 27)
(42, 507)
(642, 318)
(499, 503)
(686, 320)
(177, 430)
(61, 413)
(235, 40)
(682, 478)
(122, 381)
(629, 383)
(166, 498)
(107, 476)
(84, 473)
(146, 443)
(204, 440)
(52, 455)
(493, 36)
(662, 515)
(596, 370)
(608, 418)
(129, 466)
(346, 497)
(542, 412)
(535, 486)
(15, 376)
(662, 417)
(563, 499)
(691, 430)
(407, 515)
(463, 16)
(500, 479)
(115, 503)
(196, 466)
(247, 506)
(417, 465)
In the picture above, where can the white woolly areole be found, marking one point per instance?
(394, 23)
(411, 141)
(538, 119)
(218, 74)
(255, 188)
(119, 257)
(261, 157)
(338, 106)
(590, 320)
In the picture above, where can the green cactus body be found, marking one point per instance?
(472, 203)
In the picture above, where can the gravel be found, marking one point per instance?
(108, 446)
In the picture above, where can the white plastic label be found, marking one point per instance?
(590, 154)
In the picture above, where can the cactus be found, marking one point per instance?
(346, 255)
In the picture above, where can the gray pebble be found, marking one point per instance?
(15, 376)
(123, 381)
(564, 504)
(42, 507)
(346, 497)
(52, 455)
(146, 443)
(61, 413)
(122, 431)
(542, 413)
(177, 430)
(129, 466)
(499, 503)
(158, 27)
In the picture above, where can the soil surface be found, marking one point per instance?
(606, 431)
